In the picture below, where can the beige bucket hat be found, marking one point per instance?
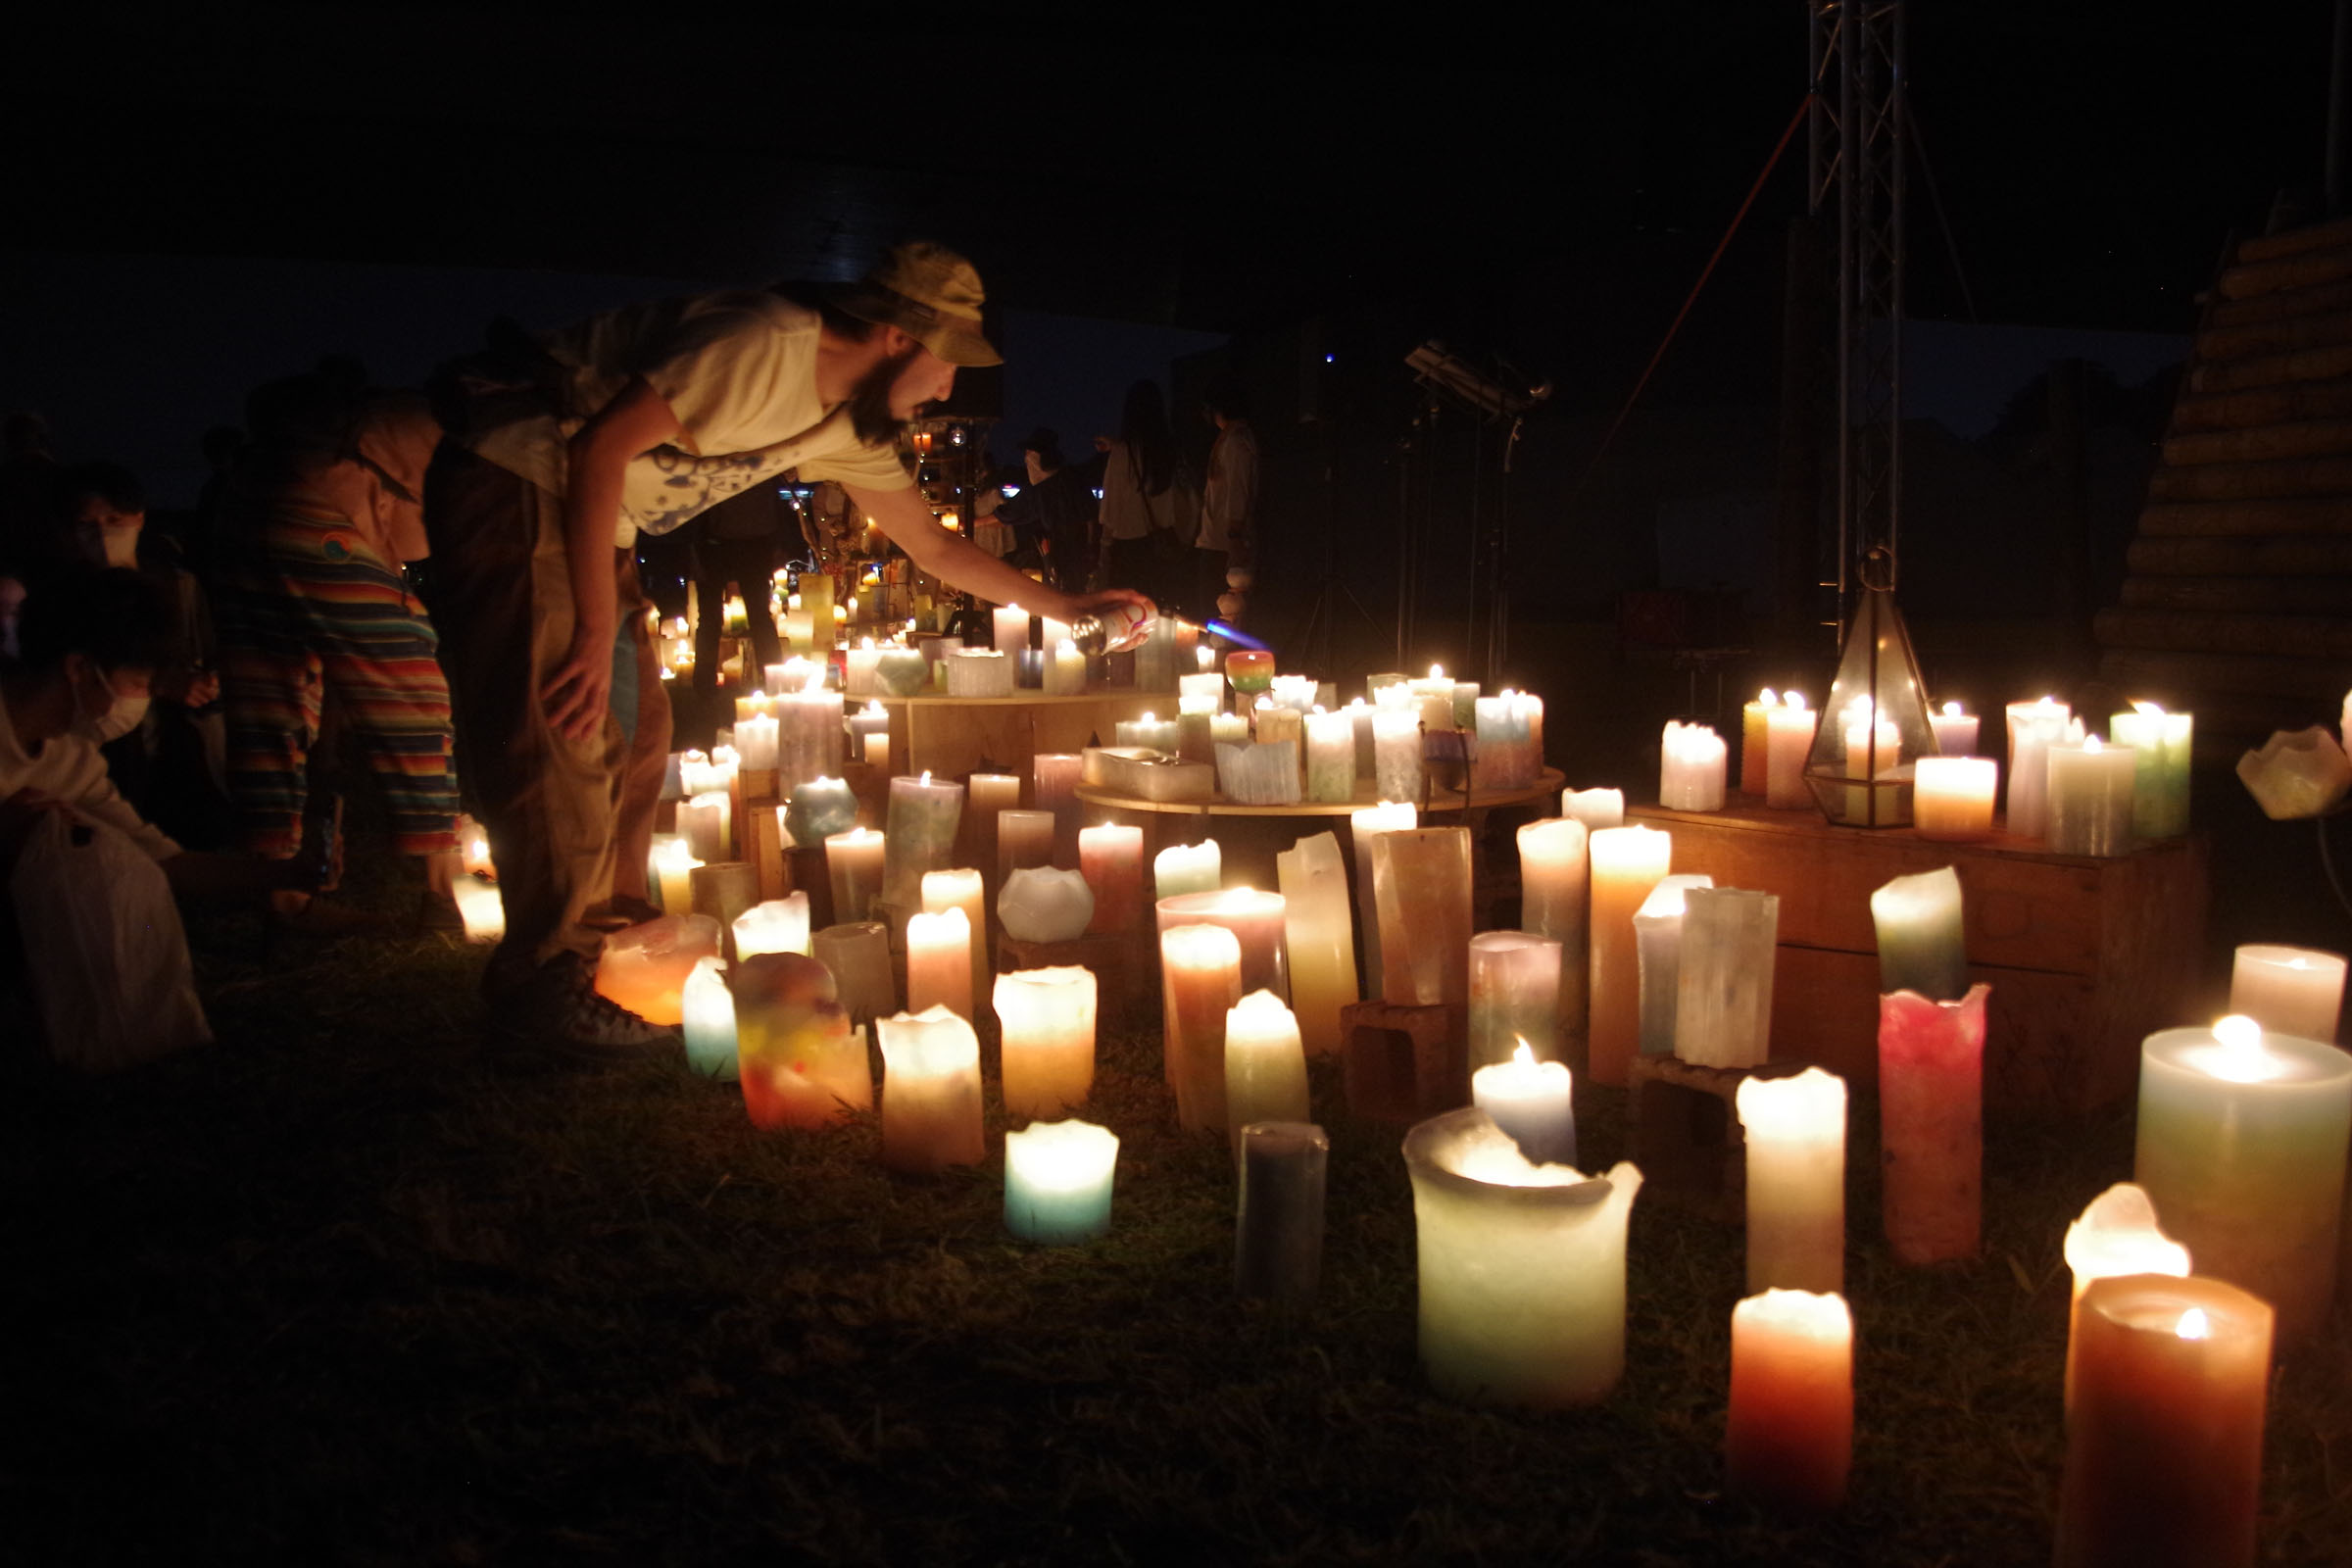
(931, 294)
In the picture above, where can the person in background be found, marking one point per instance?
(1055, 513)
(323, 514)
(1228, 502)
(1139, 494)
(736, 541)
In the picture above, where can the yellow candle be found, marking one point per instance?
(1795, 1129)
(1049, 1022)
(939, 962)
(1627, 863)
(960, 888)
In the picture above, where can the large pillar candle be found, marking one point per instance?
(1790, 1436)
(1396, 754)
(1054, 779)
(1024, 839)
(2160, 748)
(1256, 920)
(2034, 728)
(1111, 858)
(1514, 997)
(930, 1091)
(708, 1010)
(1723, 991)
(1532, 1100)
(803, 1063)
(1365, 825)
(1318, 937)
(1796, 1130)
(2116, 1235)
(939, 962)
(1278, 1252)
(1554, 901)
(810, 738)
(1265, 1068)
(853, 861)
(1188, 868)
(1200, 978)
(1422, 879)
(1932, 1124)
(1752, 752)
(1047, 1017)
(1922, 940)
(1330, 757)
(1596, 809)
(2288, 990)
(2241, 1147)
(2164, 1442)
(1691, 772)
(1521, 1267)
(959, 889)
(986, 798)
(703, 821)
(1057, 1181)
(1010, 628)
(2090, 806)
(1788, 742)
(1510, 739)
(778, 925)
(921, 835)
(857, 953)
(1627, 862)
(1952, 797)
(1658, 947)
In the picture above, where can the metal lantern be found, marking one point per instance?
(1874, 728)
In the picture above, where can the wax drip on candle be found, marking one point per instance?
(2194, 1325)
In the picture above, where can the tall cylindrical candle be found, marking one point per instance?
(930, 1090)
(1256, 920)
(985, 797)
(1422, 879)
(2288, 990)
(1049, 1022)
(1789, 741)
(1365, 825)
(1265, 1067)
(1024, 839)
(1723, 1002)
(1554, 901)
(1318, 937)
(2090, 790)
(1278, 1252)
(853, 860)
(1658, 945)
(1790, 1436)
(1112, 857)
(1932, 1124)
(1396, 754)
(1752, 752)
(959, 889)
(1922, 939)
(2034, 728)
(1010, 625)
(1532, 1100)
(1055, 777)
(1200, 978)
(857, 953)
(1057, 1181)
(1514, 998)
(1691, 773)
(919, 835)
(1796, 1130)
(1330, 757)
(1627, 862)
(2160, 743)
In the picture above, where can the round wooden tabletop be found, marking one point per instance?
(1548, 783)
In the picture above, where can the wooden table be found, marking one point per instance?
(955, 736)
(2086, 955)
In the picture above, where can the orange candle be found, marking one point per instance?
(1111, 859)
(1790, 1434)
(1627, 863)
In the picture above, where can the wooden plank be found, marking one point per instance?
(2294, 402)
(2227, 519)
(2271, 635)
(956, 736)
(2335, 232)
(2156, 673)
(2300, 270)
(2243, 595)
(2257, 443)
(2330, 363)
(2325, 556)
(2280, 334)
(2328, 477)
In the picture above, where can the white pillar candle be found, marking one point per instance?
(1363, 826)
(930, 1091)
(1188, 867)
(755, 741)
(1293, 692)
(1723, 1002)
(1318, 937)
(1788, 742)
(708, 1021)
(961, 888)
(979, 672)
(1047, 1017)
(1200, 980)
(1521, 1267)
(1691, 763)
(857, 678)
(939, 962)
(1627, 862)
(2116, 1235)
(704, 821)
(1330, 757)
(1955, 731)
(2241, 1147)
(1066, 675)
(2090, 791)
(853, 861)
(1514, 997)
(1790, 1436)
(1532, 1100)
(2034, 728)
(1596, 809)
(1265, 1067)
(1278, 1252)
(777, 925)
(1045, 904)
(808, 740)
(2288, 990)
(1922, 942)
(1057, 1181)
(1795, 1131)
(2160, 743)
(1396, 754)
(1110, 856)
(1554, 901)
(1009, 625)
(1658, 949)
(1952, 797)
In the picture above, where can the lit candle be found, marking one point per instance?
(1010, 626)
(809, 743)
(2164, 1442)
(1796, 1130)
(755, 741)
(1111, 859)
(858, 679)
(1658, 950)
(1514, 998)
(2159, 748)
(1396, 754)
(865, 726)
(1363, 826)
(1553, 902)
(1058, 1180)
(939, 962)
(1265, 1065)
(1278, 1253)
(1510, 739)
(1293, 692)
(778, 925)
(1049, 1022)
(645, 967)
(704, 822)
(2034, 728)
(1723, 1002)
(919, 835)
(1627, 862)
(857, 954)
(1045, 904)
(853, 860)
(1955, 731)
(1691, 762)
(960, 888)
(1256, 920)
(1207, 686)
(803, 1063)
(1065, 676)
(1250, 670)
(1188, 868)
(673, 860)
(1752, 751)
(818, 809)
(1952, 797)
(1521, 1267)
(2091, 793)
(1024, 839)
(1932, 1124)
(480, 908)
(930, 1090)
(1421, 877)
(979, 672)
(708, 1011)
(1788, 742)
(2116, 1235)
(1922, 939)
(1596, 809)
(2288, 990)
(1200, 980)
(1318, 936)
(1331, 757)
(1790, 1436)
(2241, 1148)
(1533, 1102)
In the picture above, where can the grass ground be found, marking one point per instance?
(347, 1287)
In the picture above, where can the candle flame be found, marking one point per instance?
(1795, 700)
(2194, 1325)
(1951, 710)
(1765, 698)
(2148, 709)
(926, 776)
(2090, 746)
(1524, 1055)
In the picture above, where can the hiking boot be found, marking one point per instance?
(560, 1006)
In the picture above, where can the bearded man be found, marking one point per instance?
(561, 450)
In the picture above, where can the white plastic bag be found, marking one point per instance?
(104, 948)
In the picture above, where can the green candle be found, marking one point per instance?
(1921, 942)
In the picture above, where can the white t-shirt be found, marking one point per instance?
(1230, 497)
(68, 768)
(738, 370)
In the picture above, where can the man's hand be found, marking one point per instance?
(580, 688)
(203, 689)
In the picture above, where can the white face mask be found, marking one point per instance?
(119, 717)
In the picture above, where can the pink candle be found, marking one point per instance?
(1024, 839)
(1111, 859)
(1056, 775)
(1201, 981)
(1256, 920)
(1932, 1124)
(939, 962)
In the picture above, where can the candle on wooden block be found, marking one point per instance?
(1047, 1017)
(671, 861)
(1787, 742)
(1790, 1436)
(708, 1021)
(1554, 901)
(1690, 770)
(1255, 919)
(2091, 793)
(1723, 1003)
(1627, 862)
(2160, 748)
(706, 822)
(1330, 757)
(1200, 980)
(1952, 797)
(1010, 625)
(1921, 937)
(961, 889)
(1752, 751)
(2288, 990)
(1318, 937)
(857, 954)
(1045, 904)
(853, 860)
(723, 892)
(918, 835)
(939, 962)
(776, 925)
(1265, 1065)
(803, 1063)
(2116, 1235)
(2034, 728)
(1111, 859)
(1795, 1131)
(644, 968)
(1024, 839)
(1421, 877)
(1932, 1124)
(930, 1090)
(1521, 1267)
(2241, 1146)
(1363, 826)
(1188, 868)
(901, 672)
(2164, 1441)
(1658, 949)
(1514, 997)
(1955, 731)
(1057, 1181)
(1278, 1252)
(1396, 754)
(1532, 1100)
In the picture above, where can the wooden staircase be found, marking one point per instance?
(2238, 604)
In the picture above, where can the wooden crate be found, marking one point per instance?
(953, 736)
(2086, 956)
